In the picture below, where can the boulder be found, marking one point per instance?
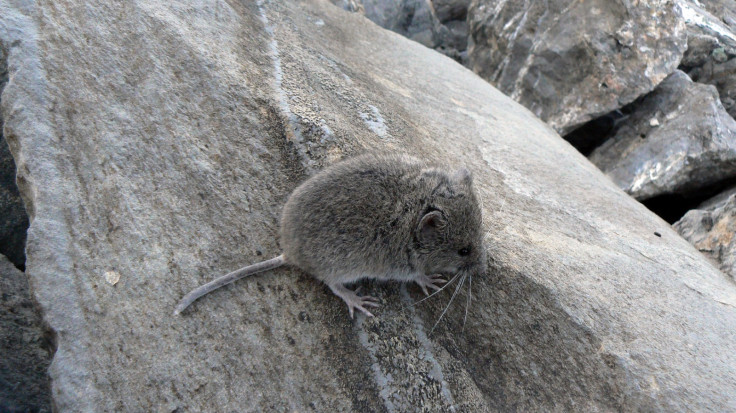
(570, 61)
(677, 140)
(723, 77)
(711, 52)
(451, 10)
(451, 34)
(721, 12)
(437, 24)
(156, 143)
(711, 228)
(24, 347)
(411, 18)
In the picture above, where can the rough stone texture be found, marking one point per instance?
(723, 77)
(13, 217)
(571, 61)
(24, 354)
(410, 18)
(723, 11)
(451, 34)
(712, 229)
(711, 54)
(678, 139)
(449, 10)
(156, 142)
(437, 24)
(707, 37)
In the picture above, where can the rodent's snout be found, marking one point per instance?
(476, 266)
(479, 265)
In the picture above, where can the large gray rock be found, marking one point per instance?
(13, 217)
(411, 18)
(711, 52)
(24, 354)
(451, 34)
(712, 229)
(723, 12)
(679, 139)
(437, 24)
(156, 142)
(708, 38)
(723, 77)
(570, 61)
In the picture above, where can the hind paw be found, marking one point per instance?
(353, 300)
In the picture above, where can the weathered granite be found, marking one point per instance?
(711, 53)
(437, 24)
(570, 61)
(711, 228)
(156, 141)
(677, 140)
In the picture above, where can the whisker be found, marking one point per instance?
(467, 305)
(438, 291)
(459, 285)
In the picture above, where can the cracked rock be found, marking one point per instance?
(711, 228)
(677, 140)
(570, 61)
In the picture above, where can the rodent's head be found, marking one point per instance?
(448, 234)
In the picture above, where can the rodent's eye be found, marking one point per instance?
(465, 251)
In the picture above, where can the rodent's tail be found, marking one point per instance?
(227, 279)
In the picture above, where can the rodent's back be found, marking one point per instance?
(354, 218)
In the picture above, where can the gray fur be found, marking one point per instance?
(385, 217)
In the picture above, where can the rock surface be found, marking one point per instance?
(712, 229)
(722, 11)
(711, 54)
(13, 217)
(677, 140)
(723, 77)
(570, 61)
(410, 18)
(437, 24)
(24, 355)
(156, 142)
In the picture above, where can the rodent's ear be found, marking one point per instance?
(463, 175)
(429, 225)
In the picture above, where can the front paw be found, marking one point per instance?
(432, 281)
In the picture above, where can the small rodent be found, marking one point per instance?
(376, 216)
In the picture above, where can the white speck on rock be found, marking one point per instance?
(112, 277)
(375, 122)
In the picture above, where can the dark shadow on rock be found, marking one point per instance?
(13, 217)
(672, 207)
(593, 133)
(25, 347)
